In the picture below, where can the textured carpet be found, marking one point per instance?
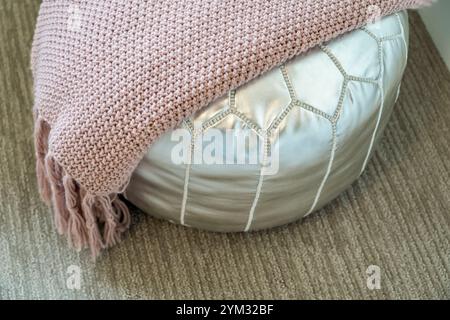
(397, 216)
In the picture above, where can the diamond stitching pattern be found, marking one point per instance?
(233, 109)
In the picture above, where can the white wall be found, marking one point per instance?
(437, 20)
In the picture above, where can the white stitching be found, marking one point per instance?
(327, 174)
(259, 186)
(187, 174)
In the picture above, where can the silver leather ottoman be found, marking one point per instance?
(320, 115)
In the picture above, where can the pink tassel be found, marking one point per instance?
(55, 175)
(41, 133)
(76, 225)
(94, 236)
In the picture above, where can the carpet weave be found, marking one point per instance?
(397, 216)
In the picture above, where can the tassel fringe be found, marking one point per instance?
(89, 221)
(41, 133)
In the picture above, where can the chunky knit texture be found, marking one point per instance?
(111, 76)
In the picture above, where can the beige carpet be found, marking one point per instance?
(397, 216)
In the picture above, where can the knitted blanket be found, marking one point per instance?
(111, 76)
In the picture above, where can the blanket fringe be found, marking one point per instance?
(88, 220)
(41, 133)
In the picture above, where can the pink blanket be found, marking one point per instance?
(111, 76)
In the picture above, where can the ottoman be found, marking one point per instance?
(317, 119)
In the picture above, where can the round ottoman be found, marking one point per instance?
(316, 119)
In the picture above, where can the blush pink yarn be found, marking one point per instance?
(111, 76)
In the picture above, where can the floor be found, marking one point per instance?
(396, 217)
